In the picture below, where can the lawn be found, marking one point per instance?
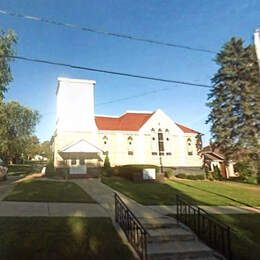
(245, 234)
(23, 169)
(48, 191)
(196, 192)
(60, 238)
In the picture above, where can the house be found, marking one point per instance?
(82, 139)
(214, 159)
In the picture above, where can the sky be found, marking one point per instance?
(198, 23)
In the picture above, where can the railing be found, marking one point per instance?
(132, 227)
(212, 232)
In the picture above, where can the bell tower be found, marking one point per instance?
(75, 105)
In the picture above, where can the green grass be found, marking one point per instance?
(196, 192)
(48, 191)
(60, 238)
(245, 234)
(23, 169)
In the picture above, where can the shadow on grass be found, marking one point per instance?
(217, 194)
(60, 238)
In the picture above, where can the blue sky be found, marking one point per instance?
(202, 24)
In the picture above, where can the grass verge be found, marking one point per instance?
(48, 191)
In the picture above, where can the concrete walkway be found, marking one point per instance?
(104, 195)
(44, 209)
(231, 210)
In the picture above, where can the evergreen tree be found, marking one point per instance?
(234, 102)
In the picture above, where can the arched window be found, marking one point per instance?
(130, 145)
(154, 144)
(189, 146)
(160, 142)
(105, 139)
(105, 144)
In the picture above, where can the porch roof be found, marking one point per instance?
(81, 149)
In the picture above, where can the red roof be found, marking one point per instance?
(129, 121)
(186, 129)
(126, 122)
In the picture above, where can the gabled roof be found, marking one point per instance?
(81, 146)
(130, 121)
(186, 129)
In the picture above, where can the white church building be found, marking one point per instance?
(82, 139)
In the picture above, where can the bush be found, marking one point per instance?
(50, 170)
(216, 173)
(169, 173)
(190, 177)
(133, 172)
(107, 162)
(107, 171)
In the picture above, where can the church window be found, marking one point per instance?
(189, 146)
(105, 139)
(160, 142)
(130, 145)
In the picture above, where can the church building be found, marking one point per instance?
(82, 139)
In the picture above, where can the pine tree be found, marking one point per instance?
(234, 102)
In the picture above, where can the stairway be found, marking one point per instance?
(169, 240)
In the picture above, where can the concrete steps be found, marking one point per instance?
(179, 250)
(169, 234)
(169, 240)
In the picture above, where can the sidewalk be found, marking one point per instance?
(166, 210)
(104, 195)
(45, 209)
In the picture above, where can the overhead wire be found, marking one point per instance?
(104, 32)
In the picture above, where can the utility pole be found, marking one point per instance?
(257, 45)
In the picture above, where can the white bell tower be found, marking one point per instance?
(75, 105)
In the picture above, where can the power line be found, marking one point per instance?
(107, 33)
(105, 71)
(121, 99)
(133, 96)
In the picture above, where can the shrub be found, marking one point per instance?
(107, 171)
(134, 172)
(107, 162)
(216, 173)
(190, 177)
(50, 170)
(209, 176)
(169, 173)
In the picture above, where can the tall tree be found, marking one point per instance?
(234, 102)
(7, 41)
(17, 126)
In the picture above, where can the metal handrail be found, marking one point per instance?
(209, 229)
(133, 229)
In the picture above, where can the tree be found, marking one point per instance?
(32, 147)
(45, 149)
(7, 41)
(17, 125)
(234, 102)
